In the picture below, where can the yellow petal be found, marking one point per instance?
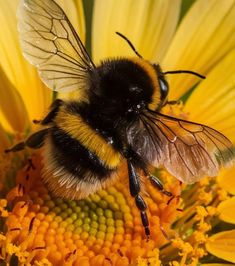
(222, 245)
(216, 264)
(226, 212)
(12, 109)
(204, 37)
(22, 75)
(212, 102)
(148, 24)
(226, 180)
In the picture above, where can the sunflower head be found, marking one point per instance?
(104, 226)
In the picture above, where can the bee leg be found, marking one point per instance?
(18, 147)
(173, 102)
(52, 113)
(34, 141)
(134, 184)
(158, 184)
(35, 121)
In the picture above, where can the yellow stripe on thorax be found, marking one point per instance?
(149, 69)
(74, 125)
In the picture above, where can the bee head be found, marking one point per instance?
(123, 84)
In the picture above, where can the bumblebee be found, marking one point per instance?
(118, 120)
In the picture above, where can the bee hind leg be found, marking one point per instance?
(134, 184)
(34, 141)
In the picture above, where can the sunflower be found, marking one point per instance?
(197, 225)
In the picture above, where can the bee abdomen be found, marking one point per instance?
(75, 158)
(78, 161)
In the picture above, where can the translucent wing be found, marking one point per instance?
(50, 42)
(187, 150)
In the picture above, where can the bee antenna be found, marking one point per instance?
(129, 42)
(184, 71)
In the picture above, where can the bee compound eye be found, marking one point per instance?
(164, 89)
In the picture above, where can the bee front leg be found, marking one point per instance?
(134, 184)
